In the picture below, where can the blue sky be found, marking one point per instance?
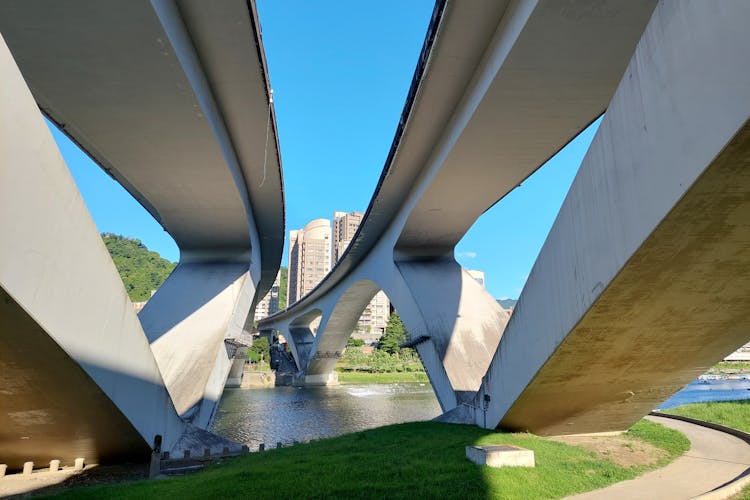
(340, 72)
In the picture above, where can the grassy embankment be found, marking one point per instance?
(729, 367)
(382, 378)
(734, 414)
(379, 367)
(413, 460)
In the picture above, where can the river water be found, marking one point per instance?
(287, 414)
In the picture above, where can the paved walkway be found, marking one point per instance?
(714, 458)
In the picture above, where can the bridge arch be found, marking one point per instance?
(339, 325)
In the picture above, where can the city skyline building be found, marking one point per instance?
(372, 323)
(309, 258)
(270, 303)
(345, 226)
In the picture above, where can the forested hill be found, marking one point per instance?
(141, 270)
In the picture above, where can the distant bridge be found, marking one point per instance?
(171, 99)
(644, 280)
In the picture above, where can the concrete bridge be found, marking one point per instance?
(642, 284)
(643, 281)
(171, 99)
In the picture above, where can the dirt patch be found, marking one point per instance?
(624, 451)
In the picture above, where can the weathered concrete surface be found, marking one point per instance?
(463, 321)
(644, 280)
(20, 484)
(500, 87)
(186, 322)
(503, 455)
(714, 459)
(77, 373)
(258, 380)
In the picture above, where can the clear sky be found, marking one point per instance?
(340, 72)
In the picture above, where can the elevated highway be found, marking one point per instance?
(642, 283)
(499, 89)
(172, 100)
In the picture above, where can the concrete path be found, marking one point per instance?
(714, 458)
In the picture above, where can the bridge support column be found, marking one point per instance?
(200, 305)
(330, 378)
(643, 282)
(455, 325)
(64, 313)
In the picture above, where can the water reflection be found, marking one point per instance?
(254, 416)
(704, 390)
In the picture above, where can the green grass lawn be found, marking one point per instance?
(734, 414)
(413, 460)
(731, 367)
(382, 378)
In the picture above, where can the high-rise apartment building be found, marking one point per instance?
(270, 303)
(309, 258)
(344, 227)
(374, 319)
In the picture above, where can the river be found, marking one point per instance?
(287, 414)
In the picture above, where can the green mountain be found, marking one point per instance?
(507, 303)
(141, 270)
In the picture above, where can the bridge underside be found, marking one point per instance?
(54, 409)
(677, 308)
(171, 99)
(644, 280)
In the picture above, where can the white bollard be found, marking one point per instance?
(54, 465)
(3, 468)
(79, 464)
(27, 468)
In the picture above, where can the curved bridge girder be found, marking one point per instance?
(78, 375)
(171, 98)
(500, 88)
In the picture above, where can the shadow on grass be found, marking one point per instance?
(413, 460)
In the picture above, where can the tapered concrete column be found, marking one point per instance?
(64, 313)
(643, 282)
(199, 305)
(455, 323)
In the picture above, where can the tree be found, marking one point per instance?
(395, 335)
(259, 351)
(352, 342)
(283, 279)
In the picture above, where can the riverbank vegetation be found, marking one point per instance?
(386, 363)
(383, 378)
(413, 460)
(735, 414)
(355, 359)
(730, 367)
